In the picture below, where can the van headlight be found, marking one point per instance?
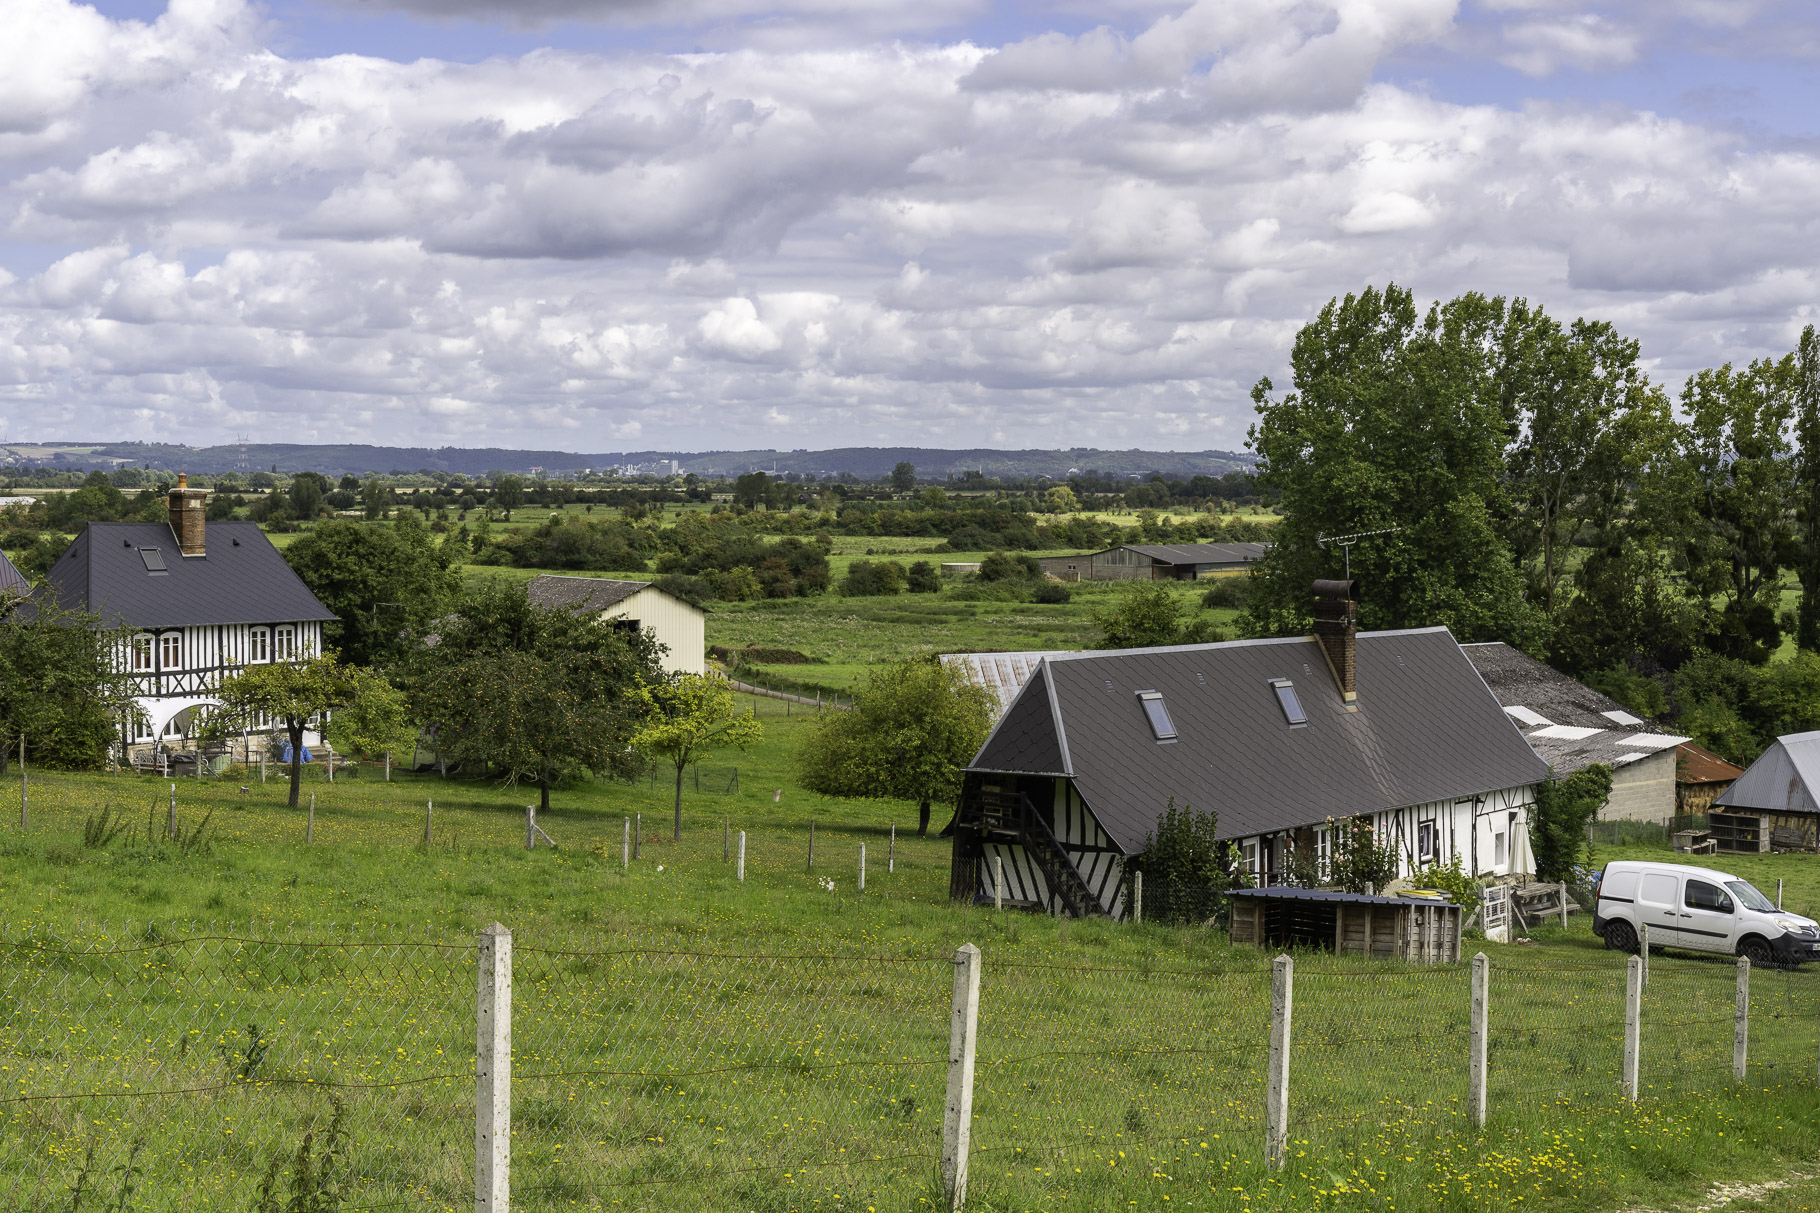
(1793, 927)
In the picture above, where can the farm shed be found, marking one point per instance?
(1154, 561)
(1350, 924)
(1282, 738)
(681, 627)
(1571, 726)
(1701, 776)
(1773, 806)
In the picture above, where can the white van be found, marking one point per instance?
(1699, 909)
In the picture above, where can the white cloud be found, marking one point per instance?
(1095, 239)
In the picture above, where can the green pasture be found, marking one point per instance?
(685, 1040)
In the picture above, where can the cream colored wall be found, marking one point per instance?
(679, 627)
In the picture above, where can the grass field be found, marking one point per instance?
(686, 1040)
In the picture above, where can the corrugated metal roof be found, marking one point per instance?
(1297, 893)
(242, 579)
(1425, 729)
(1783, 778)
(1004, 674)
(12, 581)
(1570, 725)
(1196, 553)
(1696, 765)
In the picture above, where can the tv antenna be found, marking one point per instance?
(1345, 542)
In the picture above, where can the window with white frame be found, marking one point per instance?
(258, 645)
(284, 643)
(1323, 851)
(142, 652)
(1428, 842)
(1500, 848)
(1248, 855)
(170, 650)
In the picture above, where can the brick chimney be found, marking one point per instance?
(1336, 626)
(187, 517)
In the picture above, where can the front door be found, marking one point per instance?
(1709, 919)
(1658, 907)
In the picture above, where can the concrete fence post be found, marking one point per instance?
(493, 1074)
(1741, 1023)
(309, 826)
(530, 827)
(25, 783)
(1633, 1026)
(812, 844)
(170, 815)
(862, 867)
(1563, 905)
(625, 844)
(1643, 949)
(726, 839)
(1481, 1030)
(429, 812)
(963, 1039)
(638, 833)
(998, 882)
(742, 855)
(891, 855)
(1276, 1087)
(1137, 897)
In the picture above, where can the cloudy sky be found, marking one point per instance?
(697, 224)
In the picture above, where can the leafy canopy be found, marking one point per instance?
(386, 584)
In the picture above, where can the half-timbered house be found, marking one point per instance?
(1282, 738)
(200, 601)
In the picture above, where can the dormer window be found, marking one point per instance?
(1157, 712)
(1290, 702)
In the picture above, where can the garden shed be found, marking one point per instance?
(1774, 805)
(1350, 924)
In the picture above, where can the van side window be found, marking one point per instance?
(1703, 896)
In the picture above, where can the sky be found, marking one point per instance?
(709, 224)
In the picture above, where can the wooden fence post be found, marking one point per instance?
(1481, 1029)
(309, 827)
(812, 844)
(170, 817)
(530, 827)
(891, 855)
(726, 839)
(388, 766)
(862, 867)
(25, 795)
(638, 833)
(1643, 949)
(963, 1040)
(327, 748)
(998, 882)
(262, 766)
(742, 855)
(1137, 897)
(1276, 1089)
(625, 844)
(429, 809)
(493, 1074)
(1633, 1026)
(1563, 905)
(1741, 1023)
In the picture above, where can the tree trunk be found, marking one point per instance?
(543, 786)
(922, 818)
(295, 731)
(676, 830)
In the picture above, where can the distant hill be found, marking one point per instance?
(868, 463)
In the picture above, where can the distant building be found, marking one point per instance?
(679, 626)
(1573, 726)
(1775, 803)
(1155, 562)
(12, 581)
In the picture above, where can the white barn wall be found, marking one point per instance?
(678, 626)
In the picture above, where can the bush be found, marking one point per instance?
(1558, 825)
(865, 579)
(694, 590)
(1187, 869)
(1051, 592)
(1228, 593)
(924, 578)
(1000, 566)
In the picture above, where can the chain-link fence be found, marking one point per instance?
(206, 1068)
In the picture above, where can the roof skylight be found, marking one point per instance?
(1290, 702)
(1158, 713)
(154, 560)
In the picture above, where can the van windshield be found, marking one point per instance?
(1747, 893)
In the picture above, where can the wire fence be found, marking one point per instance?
(214, 1068)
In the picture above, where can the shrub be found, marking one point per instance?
(1359, 859)
(1558, 824)
(1228, 593)
(1050, 592)
(1186, 867)
(1001, 566)
(923, 578)
(866, 579)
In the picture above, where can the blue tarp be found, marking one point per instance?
(286, 756)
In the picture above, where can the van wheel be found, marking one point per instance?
(1758, 952)
(1622, 937)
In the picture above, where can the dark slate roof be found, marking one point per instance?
(1785, 778)
(1198, 553)
(1425, 729)
(576, 593)
(242, 579)
(1568, 723)
(12, 581)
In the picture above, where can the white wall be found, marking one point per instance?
(678, 626)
